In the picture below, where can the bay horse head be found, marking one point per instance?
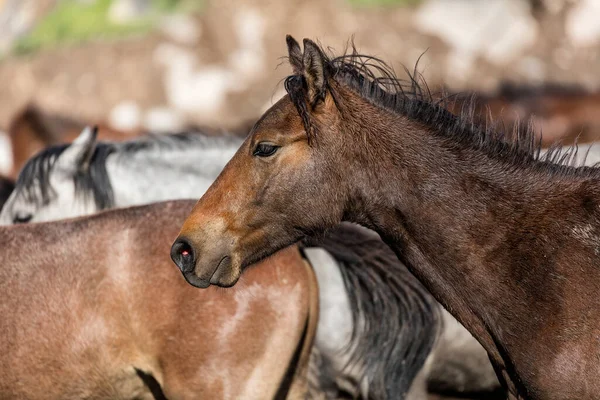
(253, 208)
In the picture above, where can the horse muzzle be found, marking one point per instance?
(201, 268)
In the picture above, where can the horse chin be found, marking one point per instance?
(226, 274)
(195, 280)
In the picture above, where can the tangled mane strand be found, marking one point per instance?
(395, 320)
(375, 81)
(34, 179)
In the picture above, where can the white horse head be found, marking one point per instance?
(49, 186)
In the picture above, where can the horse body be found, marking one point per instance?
(535, 314)
(505, 239)
(93, 308)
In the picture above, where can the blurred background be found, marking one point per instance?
(168, 65)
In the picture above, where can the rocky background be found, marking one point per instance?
(164, 64)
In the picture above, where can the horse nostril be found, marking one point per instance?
(182, 255)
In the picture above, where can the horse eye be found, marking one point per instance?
(264, 150)
(22, 218)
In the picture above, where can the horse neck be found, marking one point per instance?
(156, 174)
(465, 222)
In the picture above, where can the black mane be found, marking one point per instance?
(395, 320)
(6, 188)
(376, 82)
(94, 181)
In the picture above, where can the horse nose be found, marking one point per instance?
(182, 255)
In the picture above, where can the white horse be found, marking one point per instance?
(88, 176)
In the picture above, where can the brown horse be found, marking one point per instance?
(561, 113)
(32, 130)
(79, 279)
(506, 240)
(93, 308)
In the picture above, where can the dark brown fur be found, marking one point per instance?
(507, 241)
(93, 308)
(6, 188)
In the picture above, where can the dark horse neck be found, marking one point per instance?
(507, 244)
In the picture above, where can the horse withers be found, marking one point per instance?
(506, 239)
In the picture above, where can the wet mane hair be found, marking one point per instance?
(376, 82)
(94, 181)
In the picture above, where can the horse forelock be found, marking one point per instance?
(92, 182)
(33, 181)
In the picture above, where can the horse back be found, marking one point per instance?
(89, 306)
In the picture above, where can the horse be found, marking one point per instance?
(7, 186)
(87, 176)
(87, 293)
(505, 238)
(90, 310)
(564, 114)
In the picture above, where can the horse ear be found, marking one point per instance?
(295, 55)
(314, 71)
(77, 157)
